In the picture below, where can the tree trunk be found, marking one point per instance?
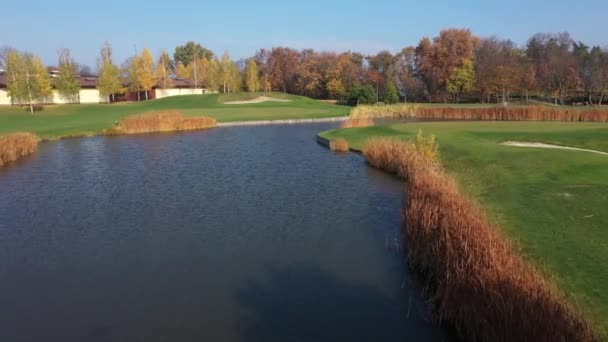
(146, 95)
(138, 95)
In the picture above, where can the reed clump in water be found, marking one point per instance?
(357, 122)
(17, 145)
(527, 113)
(168, 121)
(475, 279)
(339, 145)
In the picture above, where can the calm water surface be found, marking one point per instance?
(233, 234)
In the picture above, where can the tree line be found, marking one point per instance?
(455, 66)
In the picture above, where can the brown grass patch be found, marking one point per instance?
(357, 122)
(17, 145)
(339, 145)
(528, 113)
(475, 279)
(160, 122)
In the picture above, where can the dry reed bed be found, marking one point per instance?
(161, 122)
(357, 122)
(475, 279)
(339, 145)
(530, 113)
(17, 145)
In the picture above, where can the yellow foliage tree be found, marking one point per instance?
(181, 71)
(163, 71)
(145, 71)
(252, 79)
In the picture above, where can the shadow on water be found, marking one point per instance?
(299, 298)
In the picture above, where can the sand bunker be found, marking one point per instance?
(543, 145)
(257, 100)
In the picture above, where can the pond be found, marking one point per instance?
(232, 234)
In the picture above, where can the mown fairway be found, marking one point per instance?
(552, 203)
(73, 120)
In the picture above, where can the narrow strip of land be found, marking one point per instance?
(280, 122)
(551, 146)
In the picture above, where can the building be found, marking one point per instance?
(89, 93)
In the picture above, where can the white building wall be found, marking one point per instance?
(91, 96)
(4, 98)
(160, 93)
(56, 98)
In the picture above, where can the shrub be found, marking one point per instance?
(160, 122)
(17, 145)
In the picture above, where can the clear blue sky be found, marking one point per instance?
(242, 27)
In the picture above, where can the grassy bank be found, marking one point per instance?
(551, 203)
(75, 120)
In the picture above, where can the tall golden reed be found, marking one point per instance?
(169, 121)
(357, 122)
(339, 145)
(475, 279)
(529, 113)
(17, 145)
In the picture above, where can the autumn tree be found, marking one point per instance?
(108, 81)
(437, 59)
(555, 63)
(235, 79)
(405, 77)
(336, 89)
(181, 71)
(145, 71)
(282, 63)
(251, 76)
(187, 52)
(496, 68)
(28, 79)
(66, 82)
(163, 71)
(198, 72)
(462, 79)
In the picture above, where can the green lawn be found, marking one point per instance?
(68, 120)
(552, 203)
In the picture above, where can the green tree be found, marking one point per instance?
(145, 71)
(108, 82)
(67, 82)
(28, 79)
(362, 94)
(462, 79)
(251, 76)
(163, 71)
(391, 95)
(186, 53)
